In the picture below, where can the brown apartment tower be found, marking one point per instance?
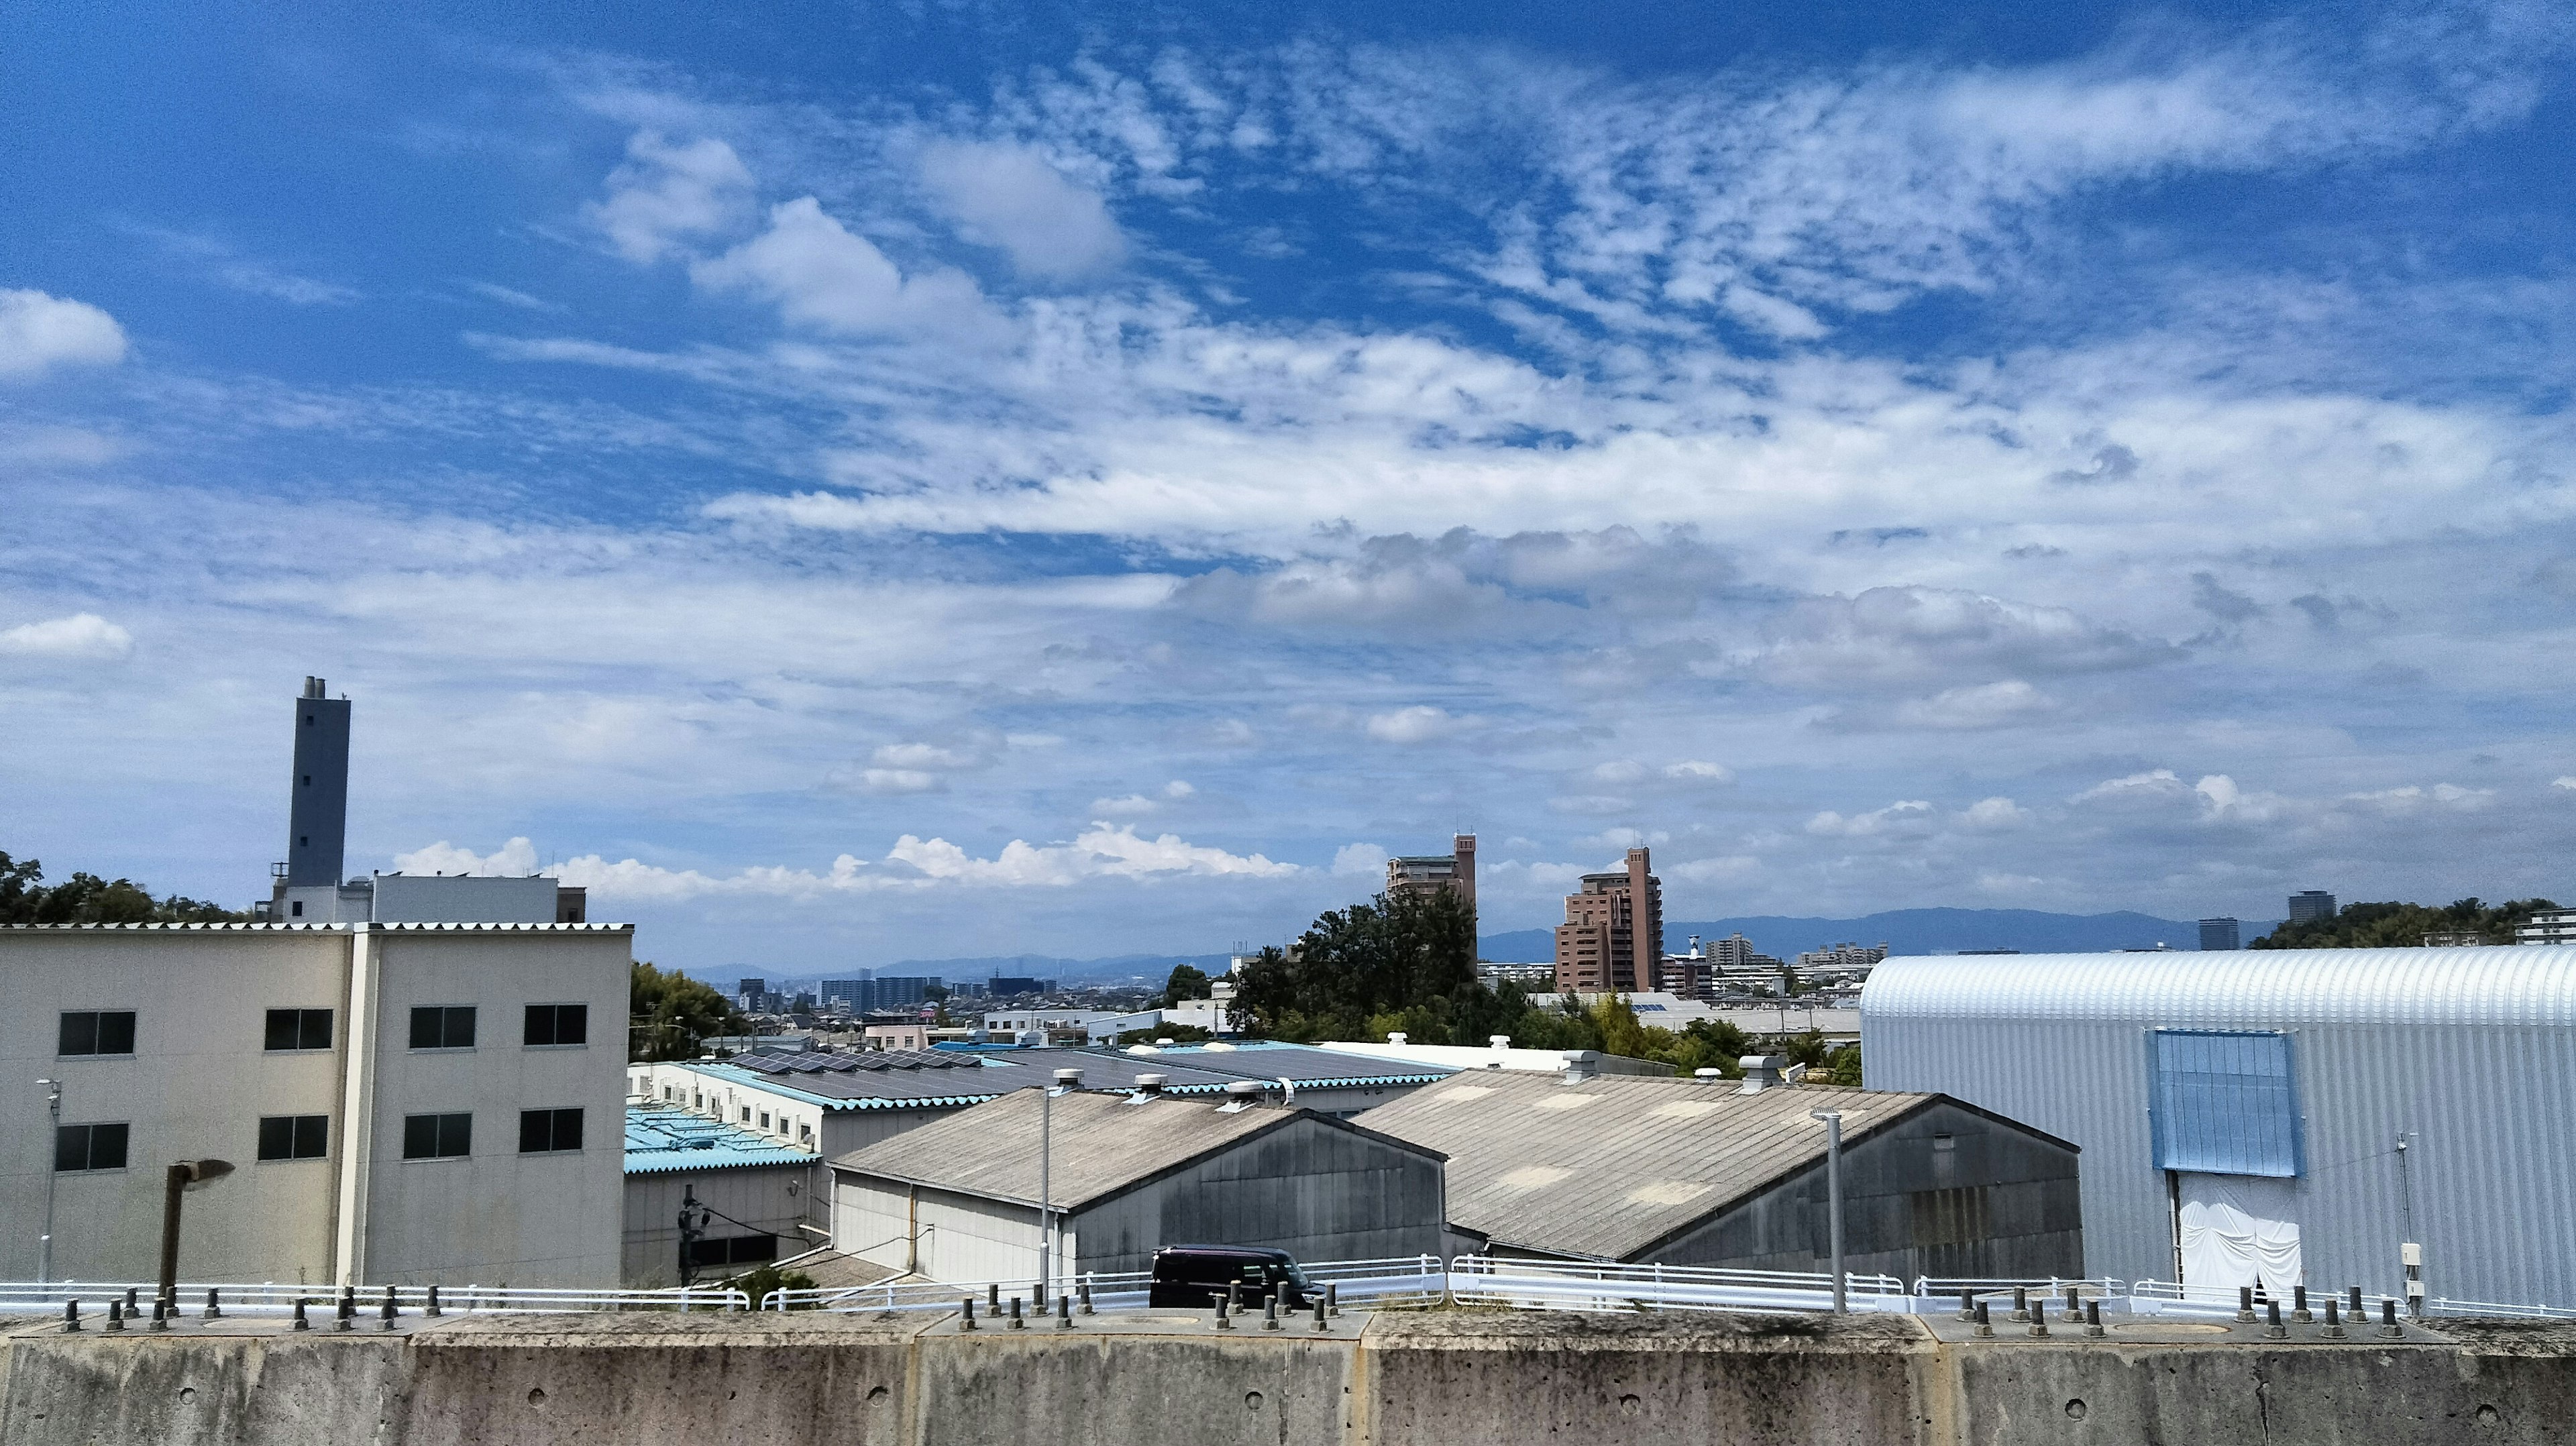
(1612, 940)
(1455, 871)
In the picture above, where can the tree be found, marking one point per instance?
(1187, 982)
(88, 899)
(672, 1014)
(1401, 961)
(2403, 926)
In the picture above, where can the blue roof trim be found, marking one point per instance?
(667, 1140)
(770, 1082)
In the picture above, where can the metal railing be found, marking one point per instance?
(1397, 1280)
(1574, 1285)
(2444, 1305)
(270, 1298)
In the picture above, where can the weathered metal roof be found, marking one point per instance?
(667, 1140)
(868, 1079)
(1103, 1144)
(1616, 1164)
(2506, 984)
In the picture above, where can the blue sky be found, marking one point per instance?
(851, 483)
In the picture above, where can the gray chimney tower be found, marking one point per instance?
(318, 822)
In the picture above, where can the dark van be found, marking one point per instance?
(1195, 1277)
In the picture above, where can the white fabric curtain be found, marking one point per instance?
(2232, 1236)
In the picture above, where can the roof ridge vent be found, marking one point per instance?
(1149, 1088)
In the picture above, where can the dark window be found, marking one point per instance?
(296, 908)
(98, 1031)
(541, 1131)
(89, 1147)
(294, 1137)
(298, 1029)
(740, 1250)
(436, 1137)
(558, 1024)
(443, 1026)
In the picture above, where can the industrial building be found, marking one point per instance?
(1127, 1173)
(405, 1102)
(747, 1197)
(2275, 1116)
(1089, 1026)
(1701, 1172)
(1498, 1053)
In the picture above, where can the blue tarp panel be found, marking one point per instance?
(2223, 1103)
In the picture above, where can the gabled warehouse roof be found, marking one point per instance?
(1103, 1145)
(2505, 984)
(1618, 1163)
(868, 1079)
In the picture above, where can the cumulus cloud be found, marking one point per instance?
(81, 635)
(39, 333)
(1692, 772)
(1984, 705)
(1713, 870)
(2215, 798)
(1420, 723)
(1906, 816)
(1360, 860)
(1008, 197)
(666, 195)
(900, 780)
(821, 275)
(1895, 634)
(1104, 851)
(1994, 814)
(1136, 804)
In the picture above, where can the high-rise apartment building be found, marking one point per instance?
(2219, 934)
(1455, 871)
(1612, 940)
(2311, 904)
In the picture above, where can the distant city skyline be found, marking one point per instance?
(1102, 480)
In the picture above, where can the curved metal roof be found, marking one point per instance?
(2506, 984)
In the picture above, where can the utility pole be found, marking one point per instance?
(1834, 1195)
(693, 1224)
(45, 1242)
(181, 1177)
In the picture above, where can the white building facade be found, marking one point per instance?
(402, 1103)
(2279, 1117)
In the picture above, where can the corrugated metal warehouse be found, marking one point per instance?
(2283, 1115)
(957, 1199)
(756, 1188)
(1691, 1172)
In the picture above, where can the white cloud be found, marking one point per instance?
(1994, 814)
(81, 635)
(2415, 799)
(1591, 803)
(821, 275)
(1008, 197)
(1136, 804)
(1693, 772)
(1983, 705)
(1713, 870)
(1420, 723)
(2564, 780)
(1891, 634)
(513, 860)
(1620, 772)
(2215, 798)
(1906, 816)
(667, 194)
(900, 780)
(1360, 860)
(39, 332)
(1103, 852)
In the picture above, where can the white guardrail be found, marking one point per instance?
(1394, 1282)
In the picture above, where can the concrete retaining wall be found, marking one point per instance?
(1472, 1378)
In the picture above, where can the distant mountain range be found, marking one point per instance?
(1910, 931)
(1905, 931)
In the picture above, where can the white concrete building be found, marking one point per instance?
(1097, 1026)
(403, 1103)
(2281, 1116)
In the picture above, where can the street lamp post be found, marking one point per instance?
(1834, 1195)
(45, 1242)
(182, 1176)
(1066, 1081)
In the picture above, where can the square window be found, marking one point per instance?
(90, 1147)
(764, 1119)
(298, 1029)
(544, 1131)
(443, 1026)
(437, 1137)
(557, 1024)
(97, 1031)
(294, 1137)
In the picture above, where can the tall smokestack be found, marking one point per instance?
(318, 820)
